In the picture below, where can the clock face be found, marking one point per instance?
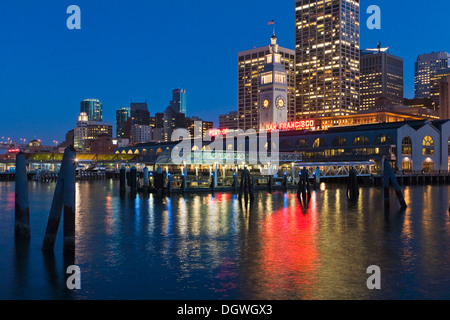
(266, 103)
(280, 103)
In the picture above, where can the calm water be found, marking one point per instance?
(205, 247)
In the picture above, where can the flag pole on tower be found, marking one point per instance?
(272, 23)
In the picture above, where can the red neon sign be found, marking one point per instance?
(293, 125)
(216, 132)
(13, 150)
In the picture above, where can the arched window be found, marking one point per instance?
(383, 139)
(406, 146)
(428, 146)
(339, 142)
(302, 144)
(361, 141)
(320, 143)
(158, 151)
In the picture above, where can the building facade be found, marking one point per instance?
(178, 102)
(426, 66)
(327, 49)
(93, 109)
(139, 114)
(229, 120)
(444, 105)
(381, 76)
(87, 131)
(435, 86)
(250, 65)
(122, 116)
(273, 89)
(140, 133)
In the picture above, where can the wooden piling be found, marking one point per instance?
(145, 178)
(133, 180)
(58, 199)
(22, 211)
(122, 179)
(69, 206)
(389, 176)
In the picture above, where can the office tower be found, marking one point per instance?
(381, 76)
(178, 102)
(93, 109)
(198, 127)
(139, 114)
(87, 131)
(250, 65)
(444, 96)
(273, 89)
(140, 134)
(229, 121)
(425, 67)
(172, 120)
(327, 38)
(435, 85)
(122, 116)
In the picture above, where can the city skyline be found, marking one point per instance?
(153, 49)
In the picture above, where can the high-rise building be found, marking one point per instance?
(425, 67)
(172, 120)
(93, 109)
(87, 131)
(140, 133)
(250, 65)
(444, 105)
(435, 84)
(381, 76)
(229, 121)
(198, 127)
(178, 102)
(327, 47)
(122, 116)
(139, 114)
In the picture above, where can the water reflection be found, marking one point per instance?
(272, 246)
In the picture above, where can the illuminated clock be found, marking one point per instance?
(266, 103)
(280, 103)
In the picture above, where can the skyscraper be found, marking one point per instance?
(327, 47)
(425, 67)
(250, 65)
(178, 102)
(139, 114)
(381, 77)
(93, 109)
(122, 116)
(435, 81)
(444, 108)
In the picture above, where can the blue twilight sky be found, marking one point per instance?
(140, 50)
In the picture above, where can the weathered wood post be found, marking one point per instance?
(123, 182)
(183, 182)
(133, 180)
(235, 182)
(169, 183)
(58, 200)
(69, 205)
(389, 175)
(22, 210)
(145, 172)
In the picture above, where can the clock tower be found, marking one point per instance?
(273, 108)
